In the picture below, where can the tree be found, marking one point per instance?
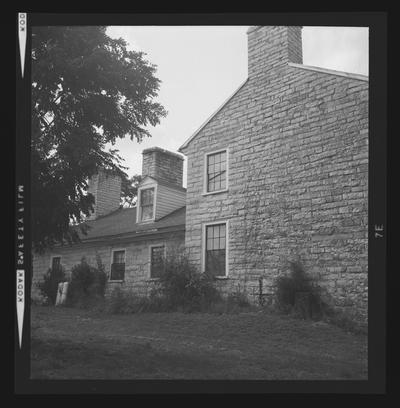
(129, 189)
(88, 90)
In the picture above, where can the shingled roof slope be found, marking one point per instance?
(123, 221)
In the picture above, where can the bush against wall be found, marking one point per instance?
(179, 287)
(184, 288)
(296, 292)
(87, 283)
(126, 302)
(49, 285)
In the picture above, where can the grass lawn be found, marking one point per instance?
(78, 344)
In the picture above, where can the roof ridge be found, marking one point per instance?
(330, 71)
(212, 116)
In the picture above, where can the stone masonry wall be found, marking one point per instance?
(298, 182)
(163, 165)
(106, 189)
(137, 261)
(272, 47)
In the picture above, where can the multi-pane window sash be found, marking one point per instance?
(118, 266)
(216, 171)
(157, 261)
(146, 204)
(215, 250)
(56, 262)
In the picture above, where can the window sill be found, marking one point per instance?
(215, 192)
(153, 279)
(221, 277)
(116, 281)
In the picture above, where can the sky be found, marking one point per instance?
(201, 66)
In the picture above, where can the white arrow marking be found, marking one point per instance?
(20, 302)
(22, 39)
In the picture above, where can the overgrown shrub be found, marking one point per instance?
(116, 301)
(184, 288)
(235, 302)
(125, 302)
(297, 293)
(49, 285)
(180, 287)
(238, 298)
(87, 284)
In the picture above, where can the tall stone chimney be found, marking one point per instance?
(271, 47)
(106, 188)
(163, 165)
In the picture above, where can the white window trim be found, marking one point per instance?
(203, 247)
(138, 212)
(51, 259)
(205, 192)
(150, 250)
(111, 262)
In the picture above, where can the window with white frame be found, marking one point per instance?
(146, 200)
(55, 262)
(157, 261)
(118, 265)
(215, 249)
(216, 171)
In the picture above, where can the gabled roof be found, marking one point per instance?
(209, 119)
(292, 64)
(329, 71)
(122, 222)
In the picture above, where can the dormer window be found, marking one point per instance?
(146, 204)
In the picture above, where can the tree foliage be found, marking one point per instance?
(129, 190)
(88, 90)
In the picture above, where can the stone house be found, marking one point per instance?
(130, 242)
(278, 173)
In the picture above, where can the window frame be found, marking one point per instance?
(204, 246)
(51, 260)
(139, 204)
(112, 261)
(205, 175)
(150, 253)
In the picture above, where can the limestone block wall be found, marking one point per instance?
(163, 165)
(137, 260)
(298, 182)
(106, 189)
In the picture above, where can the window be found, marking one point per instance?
(157, 254)
(215, 249)
(147, 204)
(216, 179)
(118, 265)
(55, 262)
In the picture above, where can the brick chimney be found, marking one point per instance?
(271, 47)
(163, 165)
(106, 188)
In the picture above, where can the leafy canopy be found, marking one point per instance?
(88, 90)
